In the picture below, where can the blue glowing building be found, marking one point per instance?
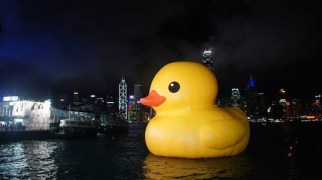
(251, 101)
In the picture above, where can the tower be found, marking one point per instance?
(251, 102)
(207, 59)
(123, 97)
(76, 98)
(235, 97)
(284, 104)
(137, 91)
(138, 96)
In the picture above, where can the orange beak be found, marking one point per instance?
(153, 99)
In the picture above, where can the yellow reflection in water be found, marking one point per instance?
(156, 167)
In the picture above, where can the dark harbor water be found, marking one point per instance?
(276, 151)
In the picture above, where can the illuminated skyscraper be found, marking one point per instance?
(138, 96)
(284, 103)
(251, 101)
(207, 59)
(251, 83)
(137, 91)
(235, 97)
(131, 108)
(316, 106)
(123, 97)
(76, 98)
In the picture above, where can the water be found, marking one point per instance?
(276, 151)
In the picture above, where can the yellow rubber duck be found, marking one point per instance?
(187, 124)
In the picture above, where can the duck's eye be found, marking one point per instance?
(174, 87)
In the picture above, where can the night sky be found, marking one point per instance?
(53, 46)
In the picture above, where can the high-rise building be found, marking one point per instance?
(285, 103)
(251, 101)
(207, 59)
(235, 98)
(137, 91)
(138, 96)
(132, 115)
(123, 98)
(316, 107)
(76, 98)
(262, 105)
(297, 107)
(110, 104)
(63, 101)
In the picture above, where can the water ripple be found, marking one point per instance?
(28, 159)
(126, 157)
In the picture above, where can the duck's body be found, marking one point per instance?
(187, 124)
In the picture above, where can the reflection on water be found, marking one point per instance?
(28, 159)
(109, 157)
(156, 167)
(274, 152)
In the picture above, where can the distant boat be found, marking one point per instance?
(77, 128)
(116, 123)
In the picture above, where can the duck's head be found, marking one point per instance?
(182, 85)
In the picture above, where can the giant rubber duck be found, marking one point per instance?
(187, 124)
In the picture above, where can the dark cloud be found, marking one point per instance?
(91, 45)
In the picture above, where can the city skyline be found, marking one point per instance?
(63, 46)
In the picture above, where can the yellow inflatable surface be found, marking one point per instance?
(187, 124)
